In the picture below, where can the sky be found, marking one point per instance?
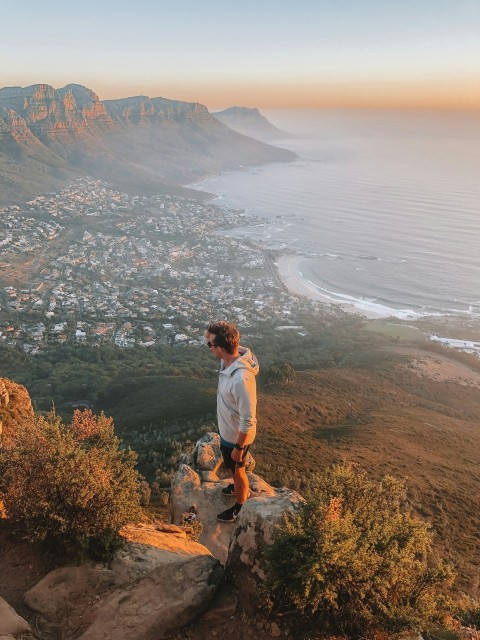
(252, 53)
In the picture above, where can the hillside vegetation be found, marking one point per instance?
(71, 486)
(354, 557)
(391, 420)
(390, 407)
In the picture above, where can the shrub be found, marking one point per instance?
(192, 529)
(469, 615)
(355, 557)
(280, 373)
(145, 493)
(71, 485)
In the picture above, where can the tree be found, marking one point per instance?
(354, 556)
(280, 372)
(69, 484)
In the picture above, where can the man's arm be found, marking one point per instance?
(245, 390)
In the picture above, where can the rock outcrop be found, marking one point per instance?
(160, 580)
(157, 583)
(253, 530)
(199, 481)
(11, 624)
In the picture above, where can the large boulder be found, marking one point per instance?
(198, 482)
(206, 459)
(206, 454)
(149, 547)
(55, 594)
(11, 624)
(156, 606)
(190, 488)
(189, 491)
(253, 530)
(157, 582)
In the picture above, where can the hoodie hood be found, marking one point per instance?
(246, 360)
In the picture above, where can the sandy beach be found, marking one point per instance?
(463, 328)
(289, 269)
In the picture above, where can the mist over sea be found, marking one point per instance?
(383, 207)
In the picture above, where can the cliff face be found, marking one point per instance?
(133, 142)
(144, 110)
(13, 127)
(57, 114)
(75, 110)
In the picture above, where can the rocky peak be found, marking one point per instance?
(53, 113)
(199, 482)
(36, 103)
(245, 113)
(81, 94)
(84, 103)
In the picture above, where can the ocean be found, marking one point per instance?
(382, 208)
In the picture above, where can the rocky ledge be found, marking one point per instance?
(160, 580)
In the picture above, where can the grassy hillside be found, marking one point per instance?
(141, 401)
(397, 419)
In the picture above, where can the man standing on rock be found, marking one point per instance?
(236, 407)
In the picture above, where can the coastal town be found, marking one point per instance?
(90, 265)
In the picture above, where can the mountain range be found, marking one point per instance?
(48, 135)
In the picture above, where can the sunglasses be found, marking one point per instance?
(209, 344)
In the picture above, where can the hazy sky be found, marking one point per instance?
(265, 53)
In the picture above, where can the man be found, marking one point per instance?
(236, 407)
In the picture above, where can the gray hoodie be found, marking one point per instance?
(237, 397)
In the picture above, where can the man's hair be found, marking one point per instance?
(226, 335)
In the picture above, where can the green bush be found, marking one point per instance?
(469, 615)
(280, 373)
(71, 485)
(355, 557)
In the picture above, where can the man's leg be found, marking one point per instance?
(240, 485)
(240, 481)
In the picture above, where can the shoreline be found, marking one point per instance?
(289, 272)
(288, 267)
(464, 331)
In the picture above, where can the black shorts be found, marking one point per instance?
(227, 457)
